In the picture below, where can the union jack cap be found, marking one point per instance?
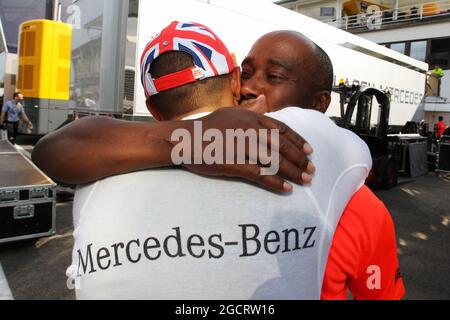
(211, 57)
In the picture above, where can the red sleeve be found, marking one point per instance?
(363, 255)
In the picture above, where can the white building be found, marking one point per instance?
(417, 28)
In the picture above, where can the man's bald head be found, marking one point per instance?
(305, 69)
(312, 59)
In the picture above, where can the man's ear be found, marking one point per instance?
(235, 83)
(153, 110)
(321, 101)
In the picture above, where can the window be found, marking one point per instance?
(327, 11)
(13, 13)
(440, 53)
(399, 47)
(418, 50)
(433, 51)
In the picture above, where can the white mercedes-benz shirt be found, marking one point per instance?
(171, 234)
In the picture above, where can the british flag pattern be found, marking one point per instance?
(207, 50)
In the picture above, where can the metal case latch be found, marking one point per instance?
(9, 195)
(38, 193)
(24, 212)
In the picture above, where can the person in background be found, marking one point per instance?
(437, 71)
(11, 115)
(440, 127)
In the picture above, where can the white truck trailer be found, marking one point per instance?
(241, 23)
(109, 36)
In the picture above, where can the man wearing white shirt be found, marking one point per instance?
(170, 234)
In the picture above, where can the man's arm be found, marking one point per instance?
(23, 116)
(379, 276)
(3, 110)
(97, 147)
(25, 119)
(363, 255)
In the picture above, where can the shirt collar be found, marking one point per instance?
(197, 116)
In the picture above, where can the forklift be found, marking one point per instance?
(384, 173)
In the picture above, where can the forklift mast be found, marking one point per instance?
(384, 171)
(362, 99)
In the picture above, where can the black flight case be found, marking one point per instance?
(27, 198)
(443, 159)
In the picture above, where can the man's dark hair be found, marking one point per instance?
(16, 94)
(187, 98)
(324, 73)
(441, 118)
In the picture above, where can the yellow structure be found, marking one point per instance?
(353, 7)
(44, 59)
(430, 9)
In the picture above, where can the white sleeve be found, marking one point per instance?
(342, 159)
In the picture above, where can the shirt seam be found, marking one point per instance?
(327, 213)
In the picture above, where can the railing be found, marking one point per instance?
(375, 19)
